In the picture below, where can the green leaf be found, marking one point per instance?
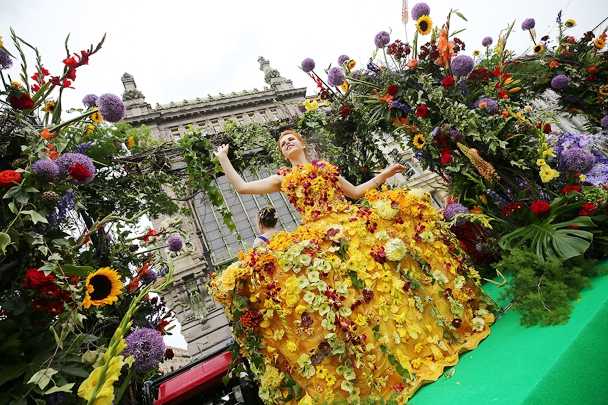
(551, 240)
(35, 216)
(63, 388)
(12, 371)
(71, 270)
(42, 377)
(5, 240)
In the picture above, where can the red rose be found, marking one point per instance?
(445, 159)
(37, 280)
(592, 69)
(540, 208)
(22, 102)
(79, 172)
(392, 89)
(345, 111)
(8, 177)
(592, 78)
(589, 207)
(569, 189)
(169, 353)
(448, 82)
(421, 110)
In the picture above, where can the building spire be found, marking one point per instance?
(273, 77)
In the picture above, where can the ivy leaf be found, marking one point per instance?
(5, 240)
(35, 216)
(42, 377)
(63, 388)
(71, 270)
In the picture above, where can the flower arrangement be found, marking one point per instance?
(516, 181)
(75, 272)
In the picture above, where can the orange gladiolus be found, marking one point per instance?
(445, 48)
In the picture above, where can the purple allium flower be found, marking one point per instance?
(174, 243)
(578, 159)
(308, 65)
(462, 65)
(46, 168)
(68, 160)
(147, 348)
(336, 76)
(5, 60)
(149, 277)
(487, 41)
(90, 100)
(559, 82)
(342, 59)
(111, 107)
(604, 121)
(528, 24)
(451, 210)
(382, 39)
(491, 105)
(419, 10)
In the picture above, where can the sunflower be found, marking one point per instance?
(424, 24)
(96, 117)
(419, 141)
(538, 48)
(90, 128)
(604, 90)
(599, 43)
(49, 107)
(102, 287)
(570, 23)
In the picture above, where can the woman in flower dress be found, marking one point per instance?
(369, 299)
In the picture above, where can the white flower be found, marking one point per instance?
(439, 276)
(416, 192)
(395, 249)
(478, 324)
(385, 210)
(382, 235)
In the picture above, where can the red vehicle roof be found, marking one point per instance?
(194, 381)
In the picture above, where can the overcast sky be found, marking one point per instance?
(185, 49)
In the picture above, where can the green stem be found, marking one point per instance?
(70, 121)
(125, 384)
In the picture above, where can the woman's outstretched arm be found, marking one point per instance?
(267, 185)
(357, 192)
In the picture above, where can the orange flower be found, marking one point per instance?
(46, 134)
(476, 210)
(446, 49)
(50, 151)
(403, 121)
(553, 64)
(412, 63)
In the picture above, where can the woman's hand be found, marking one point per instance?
(393, 169)
(222, 151)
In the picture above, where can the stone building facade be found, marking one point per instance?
(203, 322)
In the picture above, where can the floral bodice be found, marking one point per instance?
(313, 189)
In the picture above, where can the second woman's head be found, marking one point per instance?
(267, 217)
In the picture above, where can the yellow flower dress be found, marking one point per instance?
(370, 299)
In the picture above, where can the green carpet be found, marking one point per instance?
(564, 364)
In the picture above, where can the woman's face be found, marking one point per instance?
(291, 145)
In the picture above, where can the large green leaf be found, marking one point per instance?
(551, 240)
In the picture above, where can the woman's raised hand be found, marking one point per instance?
(221, 151)
(393, 169)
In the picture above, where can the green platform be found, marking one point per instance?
(565, 364)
